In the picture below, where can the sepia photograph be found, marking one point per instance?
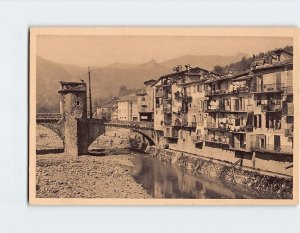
(163, 116)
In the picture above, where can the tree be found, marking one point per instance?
(219, 70)
(123, 91)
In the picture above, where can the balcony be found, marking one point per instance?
(228, 127)
(221, 92)
(217, 139)
(271, 108)
(167, 108)
(267, 88)
(272, 148)
(213, 109)
(145, 109)
(208, 93)
(166, 83)
(241, 129)
(212, 125)
(185, 124)
(171, 133)
(238, 146)
(167, 97)
(242, 89)
(197, 138)
(168, 120)
(180, 95)
(288, 90)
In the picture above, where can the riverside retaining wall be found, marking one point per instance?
(258, 183)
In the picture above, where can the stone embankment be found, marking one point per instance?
(257, 183)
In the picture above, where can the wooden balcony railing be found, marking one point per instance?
(274, 87)
(217, 139)
(283, 149)
(197, 138)
(271, 108)
(238, 146)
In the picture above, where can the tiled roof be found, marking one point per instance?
(274, 65)
(141, 92)
(131, 97)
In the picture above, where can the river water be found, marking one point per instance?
(164, 180)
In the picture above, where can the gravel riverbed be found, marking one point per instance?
(101, 176)
(86, 177)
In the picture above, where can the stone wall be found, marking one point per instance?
(257, 183)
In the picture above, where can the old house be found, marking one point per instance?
(105, 111)
(128, 108)
(145, 101)
(245, 115)
(272, 88)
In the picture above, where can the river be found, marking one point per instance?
(164, 180)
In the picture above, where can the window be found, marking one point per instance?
(201, 106)
(195, 88)
(257, 121)
(289, 119)
(273, 121)
(200, 117)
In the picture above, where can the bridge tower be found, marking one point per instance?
(73, 104)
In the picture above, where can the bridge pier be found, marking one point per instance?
(74, 112)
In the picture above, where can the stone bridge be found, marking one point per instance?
(75, 128)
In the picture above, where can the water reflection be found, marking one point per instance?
(164, 180)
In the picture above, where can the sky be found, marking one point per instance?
(105, 50)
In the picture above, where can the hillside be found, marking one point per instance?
(106, 81)
(207, 62)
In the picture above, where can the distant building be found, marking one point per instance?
(128, 108)
(105, 111)
(145, 102)
(114, 114)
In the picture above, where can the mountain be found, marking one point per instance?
(106, 81)
(207, 62)
(48, 76)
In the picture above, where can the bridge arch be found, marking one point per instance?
(48, 141)
(150, 139)
(54, 127)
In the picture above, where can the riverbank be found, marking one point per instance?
(86, 177)
(259, 184)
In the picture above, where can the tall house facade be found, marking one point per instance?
(272, 89)
(229, 112)
(246, 116)
(145, 102)
(179, 104)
